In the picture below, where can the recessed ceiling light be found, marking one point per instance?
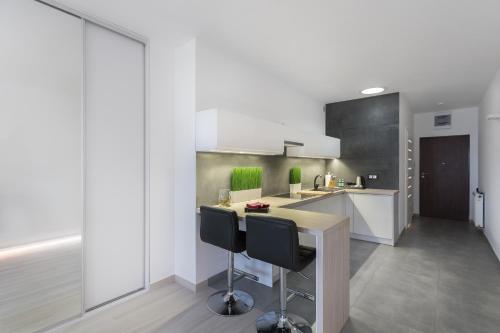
(371, 91)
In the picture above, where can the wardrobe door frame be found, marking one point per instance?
(145, 42)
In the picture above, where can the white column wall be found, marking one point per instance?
(185, 162)
(405, 124)
(489, 162)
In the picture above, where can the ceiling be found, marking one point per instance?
(432, 51)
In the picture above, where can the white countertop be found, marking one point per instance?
(308, 222)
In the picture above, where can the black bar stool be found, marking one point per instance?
(276, 241)
(219, 227)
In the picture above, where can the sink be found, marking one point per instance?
(335, 189)
(327, 189)
(300, 196)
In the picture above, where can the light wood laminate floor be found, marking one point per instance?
(40, 288)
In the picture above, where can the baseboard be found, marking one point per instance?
(373, 239)
(163, 282)
(85, 315)
(191, 286)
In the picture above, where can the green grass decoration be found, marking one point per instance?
(295, 175)
(246, 178)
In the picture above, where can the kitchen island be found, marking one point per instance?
(326, 220)
(331, 233)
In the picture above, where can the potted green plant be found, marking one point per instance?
(295, 180)
(246, 184)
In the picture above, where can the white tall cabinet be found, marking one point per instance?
(114, 156)
(74, 167)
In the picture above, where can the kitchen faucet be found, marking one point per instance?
(316, 185)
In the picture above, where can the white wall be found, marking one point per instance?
(208, 77)
(226, 81)
(464, 122)
(405, 126)
(185, 161)
(489, 162)
(161, 200)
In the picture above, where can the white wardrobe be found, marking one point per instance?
(114, 155)
(74, 168)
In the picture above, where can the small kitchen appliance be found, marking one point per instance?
(360, 182)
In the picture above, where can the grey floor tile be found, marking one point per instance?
(442, 277)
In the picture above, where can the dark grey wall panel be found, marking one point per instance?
(369, 132)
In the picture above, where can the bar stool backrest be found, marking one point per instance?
(220, 227)
(273, 240)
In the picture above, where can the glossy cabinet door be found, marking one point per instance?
(373, 215)
(349, 210)
(115, 166)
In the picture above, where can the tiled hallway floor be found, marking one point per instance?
(441, 277)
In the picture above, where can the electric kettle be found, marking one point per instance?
(360, 182)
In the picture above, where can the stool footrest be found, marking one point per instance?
(241, 275)
(300, 293)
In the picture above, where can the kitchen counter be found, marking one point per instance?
(307, 222)
(280, 202)
(373, 213)
(375, 191)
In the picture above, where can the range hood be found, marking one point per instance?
(229, 132)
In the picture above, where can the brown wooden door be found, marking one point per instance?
(444, 177)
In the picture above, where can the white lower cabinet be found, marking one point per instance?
(349, 209)
(373, 215)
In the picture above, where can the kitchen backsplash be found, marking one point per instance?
(213, 172)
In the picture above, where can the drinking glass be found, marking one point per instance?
(225, 197)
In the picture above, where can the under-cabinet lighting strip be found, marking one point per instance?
(38, 246)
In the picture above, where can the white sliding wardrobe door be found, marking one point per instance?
(114, 138)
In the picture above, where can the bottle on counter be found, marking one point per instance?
(333, 182)
(328, 177)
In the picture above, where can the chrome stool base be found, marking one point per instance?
(222, 304)
(271, 322)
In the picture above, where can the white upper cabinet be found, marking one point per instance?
(316, 146)
(228, 132)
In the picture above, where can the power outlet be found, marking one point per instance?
(373, 177)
